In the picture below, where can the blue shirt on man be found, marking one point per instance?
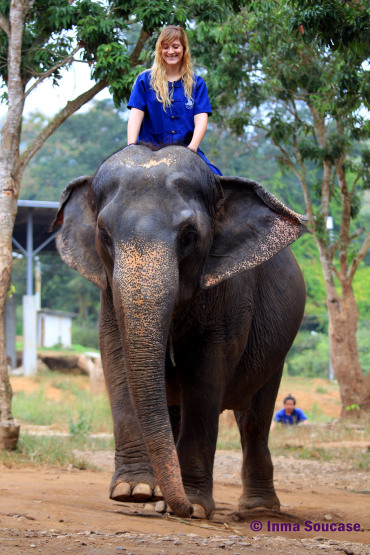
(297, 416)
(176, 123)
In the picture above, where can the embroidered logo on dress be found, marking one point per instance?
(189, 104)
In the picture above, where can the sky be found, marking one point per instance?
(49, 100)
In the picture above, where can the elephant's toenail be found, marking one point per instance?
(142, 491)
(157, 493)
(199, 511)
(121, 491)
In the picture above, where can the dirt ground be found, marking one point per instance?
(50, 511)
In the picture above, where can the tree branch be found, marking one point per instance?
(358, 258)
(302, 173)
(357, 4)
(47, 74)
(70, 108)
(4, 24)
(345, 223)
(143, 37)
(357, 233)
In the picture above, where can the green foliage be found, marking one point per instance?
(352, 408)
(309, 355)
(76, 148)
(52, 450)
(104, 34)
(299, 71)
(337, 25)
(74, 410)
(86, 335)
(261, 72)
(39, 450)
(80, 428)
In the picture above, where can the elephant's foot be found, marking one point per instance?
(268, 501)
(134, 487)
(141, 492)
(203, 505)
(199, 510)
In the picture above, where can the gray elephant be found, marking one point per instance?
(200, 303)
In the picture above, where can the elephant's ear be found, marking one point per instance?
(76, 238)
(251, 227)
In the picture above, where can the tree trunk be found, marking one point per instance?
(9, 190)
(354, 386)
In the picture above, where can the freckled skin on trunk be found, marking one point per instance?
(145, 283)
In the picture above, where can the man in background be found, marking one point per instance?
(290, 414)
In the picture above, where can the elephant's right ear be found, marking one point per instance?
(76, 239)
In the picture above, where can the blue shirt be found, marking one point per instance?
(176, 123)
(297, 416)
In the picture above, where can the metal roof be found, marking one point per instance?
(42, 214)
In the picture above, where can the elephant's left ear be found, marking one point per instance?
(76, 238)
(251, 227)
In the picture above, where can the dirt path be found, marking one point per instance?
(52, 511)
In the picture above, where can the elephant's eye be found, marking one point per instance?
(104, 237)
(188, 238)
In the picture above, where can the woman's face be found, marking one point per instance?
(173, 52)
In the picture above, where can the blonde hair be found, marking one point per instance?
(159, 81)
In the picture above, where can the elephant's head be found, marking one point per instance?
(151, 227)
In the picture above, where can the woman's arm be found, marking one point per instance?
(133, 126)
(200, 128)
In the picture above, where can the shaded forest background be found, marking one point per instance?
(86, 139)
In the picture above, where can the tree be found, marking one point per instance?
(312, 101)
(74, 149)
(343, 26)
(40, 38)
(36, 42)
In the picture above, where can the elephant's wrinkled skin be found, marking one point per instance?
(200, 302)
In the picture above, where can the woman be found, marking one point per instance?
(169, 104)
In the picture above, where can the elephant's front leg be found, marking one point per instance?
(133, 479)
(196, 446)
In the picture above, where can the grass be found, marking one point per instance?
(320, 442)
(60, 400)
(64, 403)
(54, 451)
(72, 350)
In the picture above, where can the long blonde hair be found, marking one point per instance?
(159, 81)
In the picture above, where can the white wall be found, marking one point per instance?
(54, 329)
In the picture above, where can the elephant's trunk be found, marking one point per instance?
(145, 285)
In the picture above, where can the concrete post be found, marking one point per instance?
(29, 336)
(10, 331)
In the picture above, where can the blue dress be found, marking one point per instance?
(176, 123)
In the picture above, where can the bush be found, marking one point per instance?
(309, 355)
(86, 336)
(363, 341)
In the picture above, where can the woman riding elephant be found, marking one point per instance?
(169, 104)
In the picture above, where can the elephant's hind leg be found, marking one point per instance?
(257, 469)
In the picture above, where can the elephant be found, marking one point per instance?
(201, 299)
